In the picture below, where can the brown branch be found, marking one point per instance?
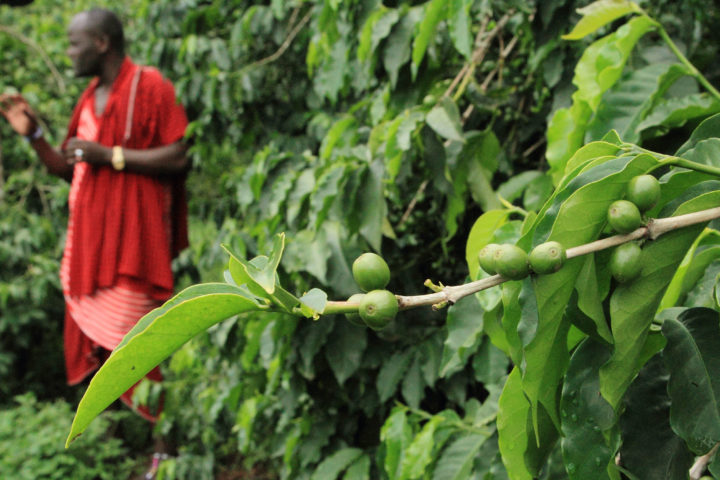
(43, 55)
(698, 468)
(286, 43)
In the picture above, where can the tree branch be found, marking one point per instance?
(286, 43)
(653, 230)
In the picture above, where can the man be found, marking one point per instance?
(126, 160)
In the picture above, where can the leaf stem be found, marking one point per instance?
(685, 163)
(683, 59)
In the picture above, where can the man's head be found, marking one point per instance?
(94, 36)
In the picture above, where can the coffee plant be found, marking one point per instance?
(607, 379)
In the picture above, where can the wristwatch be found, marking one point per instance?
(35, 135)
(118, 159)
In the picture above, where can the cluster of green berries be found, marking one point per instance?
(514, 263)
(378, 307)
(624, 216)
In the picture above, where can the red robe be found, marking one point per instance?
(119, 220)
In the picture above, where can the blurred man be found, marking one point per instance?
(125, 158)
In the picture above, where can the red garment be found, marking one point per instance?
(118, 219)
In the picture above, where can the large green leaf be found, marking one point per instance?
(459, 23)
(629, 101)
(633, 304)
(598, 14)
(376, 28)
(419, 453)
(692, 356)
(677, 111)
(465, 327)
(707, 130)
(444, 118)
(650, 449)
(524, 451)
(331, 467)
(398, 49)
(456, 460)
(585, 414)
(435, 11)
(598, 69)
(155, 338)
(396, 435)
(480, 235)
(344, 349)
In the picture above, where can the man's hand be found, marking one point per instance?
(18, 113)
(77, 150)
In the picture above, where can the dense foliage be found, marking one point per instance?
(415, 129)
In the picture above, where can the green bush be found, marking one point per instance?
(32, 444)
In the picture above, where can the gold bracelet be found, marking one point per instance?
(118, 159)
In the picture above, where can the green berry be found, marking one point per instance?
(625, 262)
(623, 216)
(354, 318)
(511, 262)
(371, 272)
(378, 308)
(547, 257)
(486, 258)
(643, 191)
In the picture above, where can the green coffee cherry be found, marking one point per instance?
(378, 308)
(643, 191)
(625, 262)
(354, 318)
(547, 257)
(511, 262)
(623, 216)
(371, 272)
(486, 258)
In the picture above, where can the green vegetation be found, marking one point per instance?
(423, 131)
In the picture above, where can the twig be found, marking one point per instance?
(701, 464)
(43, 55)
(413, 202)
(286, 43)
(653, 230)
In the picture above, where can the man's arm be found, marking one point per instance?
(166, 160)
(24, 121)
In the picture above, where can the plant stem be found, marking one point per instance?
(694, 71)
(685, 163)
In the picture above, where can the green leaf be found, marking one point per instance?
(265, 275)
(456, 460)
(335, 134)
(434, 13)
(598, 14)
(372, 204)
(313, 303)
(398, 46)
(413, 385)
(444, 118)
(591, 296)
(156, 336)
(517, 438)
(376, 28)
(515, 186)
(419, 453)
(692, 267)
(629, 101)
(396, 435)
(480, 235)
(331, 467)
(650, 449)
(692, 356)
(459, 23)
(585, 414)
(589, 152)
(598, 69)
(359, 470)
(344, 349)
(707, 130)
(633, 304)
(465, 327)
(391, 372)
(677, 111)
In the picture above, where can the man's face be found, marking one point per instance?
(84, 49)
